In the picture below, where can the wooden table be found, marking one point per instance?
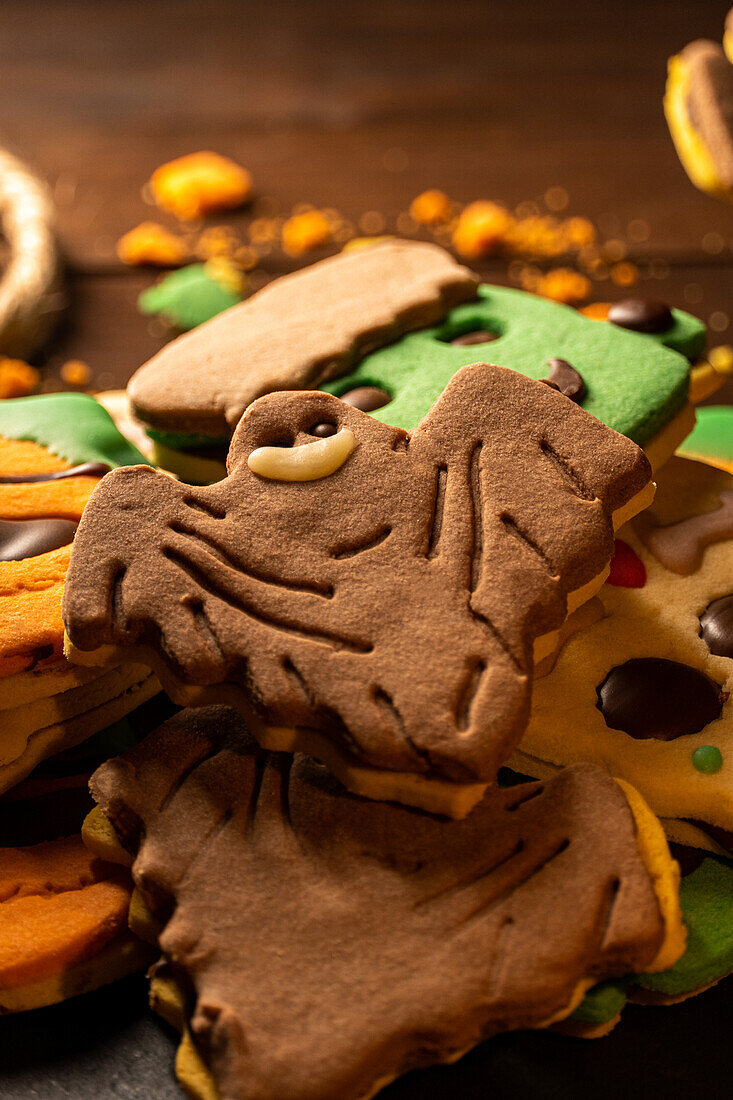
(359, 106)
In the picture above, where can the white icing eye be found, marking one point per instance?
(308, 462)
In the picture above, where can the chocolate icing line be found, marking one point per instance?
(87, 469)
(679, 546)
(28, 538)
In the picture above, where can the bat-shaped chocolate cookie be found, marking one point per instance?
(384, 590)
(324, 943)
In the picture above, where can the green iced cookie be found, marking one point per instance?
(71, 425)
(192, 295)
(634, 382)
(706, 897)
(712, 436)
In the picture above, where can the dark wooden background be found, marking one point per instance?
(356, 105)
(359, 105)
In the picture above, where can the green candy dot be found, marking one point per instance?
(708, 759)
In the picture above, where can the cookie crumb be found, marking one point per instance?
(562, 284)
(17, 378)
(150, 243)
(200, 183)
(304, 232)
(75, 373)
(430, 207)
(481, 228)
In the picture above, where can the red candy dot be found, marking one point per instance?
(627, 568)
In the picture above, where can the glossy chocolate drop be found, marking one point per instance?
(366, 398)
(27, 538)
(87, 469)
(566, 379)
(649, 697)
(468, 339)
(716, 623)
(641, 314)
(323, 431)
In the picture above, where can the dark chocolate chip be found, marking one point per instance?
(87, 469)
(366, 398)
(641, 314)
(323, 431)
(566, 379)
(716, 622)
(468, 339)
(649, 697)
(26, 538)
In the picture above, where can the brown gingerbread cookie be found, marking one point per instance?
(297, 333)
(391, 602)
(326, 944)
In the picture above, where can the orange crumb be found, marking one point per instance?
(597, 311)
(430, 208)
(564, 285)
(304, 232)
(536, 236)
(17, 378)
(246, 257)
(481, 228)
(150, 243)
(263, 230)
(200, 183)
(217, 240)
(579, 232)
(625, 273)
(75, 373)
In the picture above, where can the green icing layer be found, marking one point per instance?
(188, 297)
(706, 897)
(71, 425)
(635, 383)
(712, 436)
(601, 1003)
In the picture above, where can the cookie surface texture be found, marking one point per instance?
(495, 922)
(646, 689)
(392, 603)
(203, 381)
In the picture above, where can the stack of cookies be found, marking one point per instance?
(435, 550)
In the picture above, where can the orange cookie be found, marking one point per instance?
(63, 924)
(53, 451)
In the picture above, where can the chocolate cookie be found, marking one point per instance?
(296, 333)
(384, 590)
(391, 939)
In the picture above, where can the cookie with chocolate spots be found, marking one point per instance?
(371, 597)
(380, 925)
(646, 688)
(191, 394)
